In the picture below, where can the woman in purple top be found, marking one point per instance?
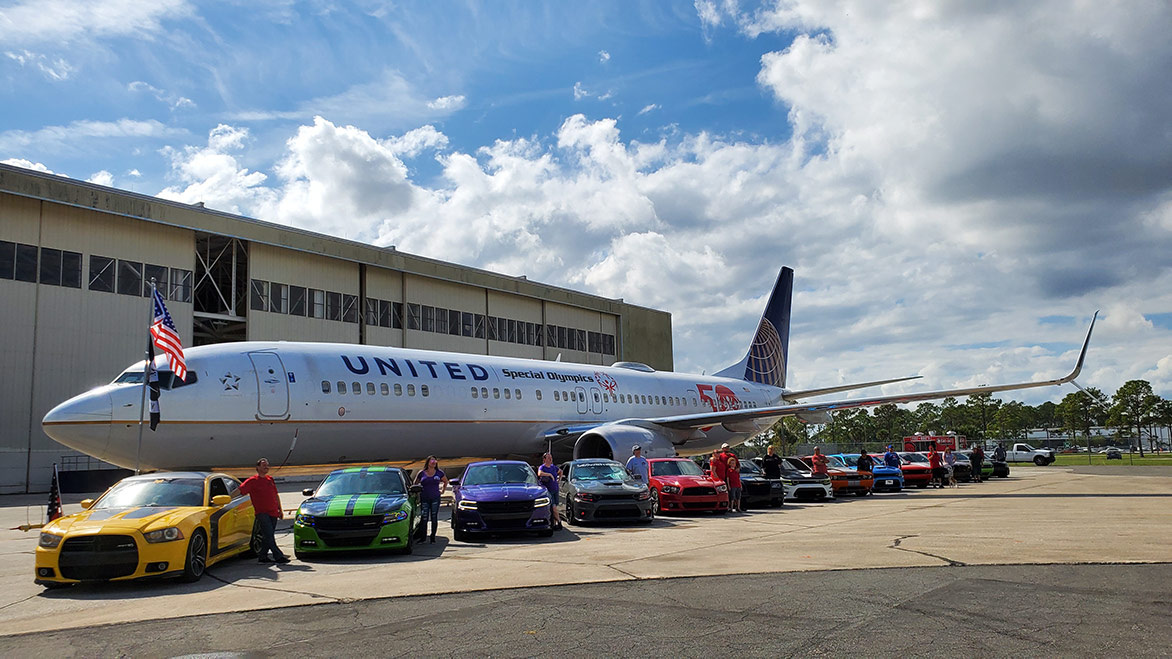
(434, 483)
(549, 474)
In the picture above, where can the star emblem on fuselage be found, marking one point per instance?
(230, 382)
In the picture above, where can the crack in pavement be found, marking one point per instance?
(319, 596)
(897, 541)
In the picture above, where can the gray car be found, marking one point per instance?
(595, 489)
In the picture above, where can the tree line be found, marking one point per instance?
(1131, 413)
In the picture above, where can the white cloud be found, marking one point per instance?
(102, 177)
(447, 103)
(174, 101)
(55, 138)
(603, 56)
(212, 175)
(53, 23)
(579, 92)
(414, 142)
(649, 108)
(27, 164)
(55, 69)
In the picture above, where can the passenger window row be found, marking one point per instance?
(509, 394)
(383, 388)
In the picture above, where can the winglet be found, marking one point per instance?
(1082, 355)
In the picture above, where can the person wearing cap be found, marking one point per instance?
(891, 458)
(637, 465)
(718, 466)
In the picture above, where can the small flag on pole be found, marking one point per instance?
(166, 337)
(54, 508)
(153, 383)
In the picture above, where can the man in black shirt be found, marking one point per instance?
(865, 463)
(771, 464)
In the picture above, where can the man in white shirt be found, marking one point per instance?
(637, 464)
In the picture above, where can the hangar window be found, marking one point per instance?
(478, 329)
(608, 344)
(413, 316)
(386, 391)
(181, 285)
(551, 336)
(398, 389)
(159, 274)
(370, 312)
(129, 277)
(341, 387)
(50, 266)
(397, 315)
(428, 319)
(511, 326)
(496, 393)
(475, 392)
(492, 328)
(349, 308)
(7, 259)
(101, 273)
(508, 394)
(369, 388)
(260, 295)
(355, 388)
(333, 306)
(556, 395)
(467, 325)
(502, 329)
(325, 386)
(297, 300)
(317, 302)
(538, 394)
(26, 263)
(279, 298)
(410, 390)
(484, 392)
(385, 311)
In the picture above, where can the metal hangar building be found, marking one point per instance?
(77, 259)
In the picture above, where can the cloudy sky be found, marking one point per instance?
(957, 185)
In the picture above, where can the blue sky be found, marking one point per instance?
(957, 186)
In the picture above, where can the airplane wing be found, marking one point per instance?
(810, 393)
(764, 413)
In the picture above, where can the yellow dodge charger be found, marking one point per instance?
(172, 524)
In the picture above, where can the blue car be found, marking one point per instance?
(887, 479)
(500, 496)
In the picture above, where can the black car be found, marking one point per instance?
(1000, 468)
(756, 489)
(597, 489)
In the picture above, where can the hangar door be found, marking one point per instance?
(272, 386)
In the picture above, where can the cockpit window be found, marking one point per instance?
(167, 379)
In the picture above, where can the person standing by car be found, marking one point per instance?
(978, 459)
(999, 452)
(434, 482)
(549, 474)
(637, 465)
(950, 461)
(771, 464)
(820, 463)
(718, 466)
(733, 473)
(865, 463)
(891, 458)
(267, 504)
(939, 471)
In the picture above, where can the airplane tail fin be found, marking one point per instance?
(769, 353)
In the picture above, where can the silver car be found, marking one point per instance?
(596, 489)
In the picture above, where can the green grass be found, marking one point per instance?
(1161, 459)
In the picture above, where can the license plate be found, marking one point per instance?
(850, 483)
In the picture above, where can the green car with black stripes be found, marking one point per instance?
(358, 508)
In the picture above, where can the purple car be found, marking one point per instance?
(499, 496)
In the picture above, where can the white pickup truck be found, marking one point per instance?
(1026, 453)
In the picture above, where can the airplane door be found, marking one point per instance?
(596, 400)
(272, 385)
(583, 405)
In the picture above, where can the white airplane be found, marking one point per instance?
(321, 403)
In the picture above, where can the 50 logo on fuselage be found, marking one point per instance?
(719, 397)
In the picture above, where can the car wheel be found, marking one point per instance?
(254, 543)
(459, 533)
(571, 516)
(410, 546)
(654, 501)
(1040, 461)
(197, 557)
(862, 494)
(776, 503)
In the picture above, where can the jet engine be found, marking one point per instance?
(614, 442)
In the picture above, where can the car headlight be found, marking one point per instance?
(825, 481)
(786, 481)
(838, 477)
(49, 540)
(643, 496)
(540, 502)
(305, 520)
(466, 504)
(775, 484)
(670, 489)
(586, 496)
(163, 535)
(395, 516)
(722, 488)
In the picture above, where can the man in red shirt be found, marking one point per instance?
(267, 504)
(718, 465)
(819, 463)
(939, 471)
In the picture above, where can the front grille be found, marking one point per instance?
(504, 507)
(351, 523)
(98, 557)
(810, 493)
(699, 504)
(699, 491)
(618, 511)
(616, 497)
(757, 489)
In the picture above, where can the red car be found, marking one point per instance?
(678, 485)
(915, 469)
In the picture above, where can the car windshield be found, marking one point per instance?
(361, 482)
(750, 468)
(600, 472)
(676, 468)
(914, 457)
(797, 463)
(835, 461)
(153, 492)
(496, 474)
(786, 472)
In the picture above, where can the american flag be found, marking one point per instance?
(54, 509)
(166, 337)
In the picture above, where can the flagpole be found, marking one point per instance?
(146, 372)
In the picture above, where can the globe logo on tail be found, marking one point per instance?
(766, 362)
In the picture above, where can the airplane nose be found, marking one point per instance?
(82, 422)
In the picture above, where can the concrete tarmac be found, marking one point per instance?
(1049, 516)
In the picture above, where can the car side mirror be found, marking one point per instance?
(221, 500)
(86, 503)
(307, 492)
(415, 489)
(455, 483)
